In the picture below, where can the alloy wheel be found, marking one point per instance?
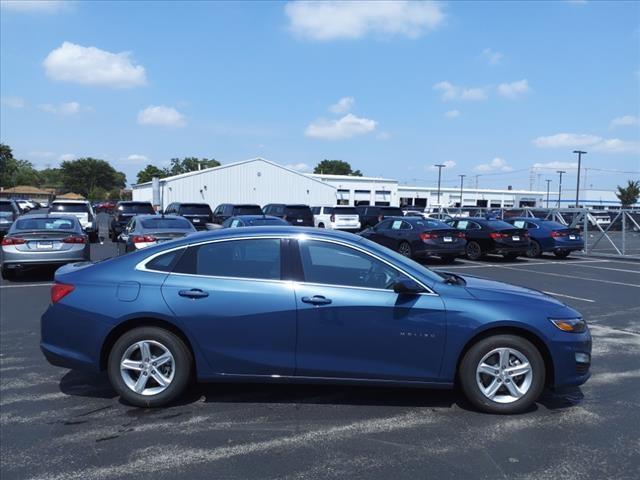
(147, 367)
(504, 375)
(404, 249)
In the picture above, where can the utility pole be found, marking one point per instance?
(461, 183)
(548, 182)
(580, 153)
(440, 167)
(560, 186)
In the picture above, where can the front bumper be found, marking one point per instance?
(566, 350)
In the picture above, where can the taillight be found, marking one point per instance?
(13, 241)
(496, 235)
(59, 291)
(461, 235)
(427, 236)
(143, 239)
(556, 234)
(75, 239)
(332, 218)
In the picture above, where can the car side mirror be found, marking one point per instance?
(406, 286)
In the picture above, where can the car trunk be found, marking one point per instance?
(300, 216)
(513, 236)
(165, 235)
(445, 236)
(50, 241)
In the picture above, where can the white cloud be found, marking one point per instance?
(496, 165)
(92, 66)
(566, 140)
(447, 164)
(330, 20)
(300, 167)
(345, 127)
(491, 57)
(454, 92)
(137, 158)
(34, 6)
(161, 115)
(13, 102)
(344, 105)
(67, 157)
(615, 145)
(514, 89)
(452, 113)
(68, 108)
(555, 165)
(624, 121)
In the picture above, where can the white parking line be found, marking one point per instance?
(569, 296)
(527, 264)
(27, 285)
(573, 277)
(609, 268)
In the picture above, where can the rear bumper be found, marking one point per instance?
(502, 248)
(568, 246)
(425, 250)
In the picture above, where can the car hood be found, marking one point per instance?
(484, 289)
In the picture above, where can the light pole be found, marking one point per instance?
(548, 182)
(461, 182)
(580, 153)
(440, 167)
(560, 186)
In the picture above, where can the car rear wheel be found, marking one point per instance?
(473, 251)
(534, 249)
(149, 367)
(562, 253)
(502, 374)
(405, 249)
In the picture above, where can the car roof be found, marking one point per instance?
(255, 217)
(63, 200)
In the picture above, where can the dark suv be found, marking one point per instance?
(372, 215)
(9, 211)
(226, 210)
(199, 214)
(123, 213)
(298, 215)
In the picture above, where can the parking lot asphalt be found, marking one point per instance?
(61, 424)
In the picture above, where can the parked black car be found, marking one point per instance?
(298, 215)
(9, 211)
(492, 236)
(123, 213)
(370, 216)
(199, 214)
(226, 210)
(416, 237)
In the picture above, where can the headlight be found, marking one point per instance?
(572, 325)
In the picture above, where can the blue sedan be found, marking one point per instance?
(273, 304)
(549, 236)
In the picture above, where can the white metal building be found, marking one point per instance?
(471, 197)
(256, 181)
(352, 190)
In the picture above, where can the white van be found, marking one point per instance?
(339, 217)
(81, 209)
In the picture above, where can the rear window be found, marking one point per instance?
(344, 211)
(164, 262)
(70, 207)
(6, 207)
(265, 221)
(138, 208)
(195, 209)
(162, 223)
(298, 210)
(247, 210)
(31, 224)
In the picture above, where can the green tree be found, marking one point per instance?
(336, 167)
(7, 166)
(84, 174)
(629, 195)
(149, 172)
(189, 164)
(114, 194)
(97, 193)
(51, 178)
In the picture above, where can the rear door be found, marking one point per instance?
(230, 296)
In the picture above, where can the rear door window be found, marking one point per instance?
(519, 224)
(194, 209)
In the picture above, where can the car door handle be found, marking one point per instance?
(317, 300)
(193, 293)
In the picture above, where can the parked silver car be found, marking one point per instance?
(43, 240)
(146, 230)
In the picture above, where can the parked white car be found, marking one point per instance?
(82, 210)
(339, 217)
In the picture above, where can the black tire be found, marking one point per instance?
(473, 357)
(535, 250)
(473, 251)
(404, 249)
(562, 253)
(93, 237)
(8, 273)
(448, 258)
(183, 365)
(510, 256)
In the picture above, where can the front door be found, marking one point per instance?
(230, 297)
(351, 324)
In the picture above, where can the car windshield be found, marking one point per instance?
(30, 224)
(265, 221)
(247, 210)
(136, 208)
(194, 209)
(6, 207)
(166, 223)
(345, 211)
(70, 207)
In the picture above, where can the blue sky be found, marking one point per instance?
(501, 90)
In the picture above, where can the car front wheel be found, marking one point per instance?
(149, 367)
(502, 374)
